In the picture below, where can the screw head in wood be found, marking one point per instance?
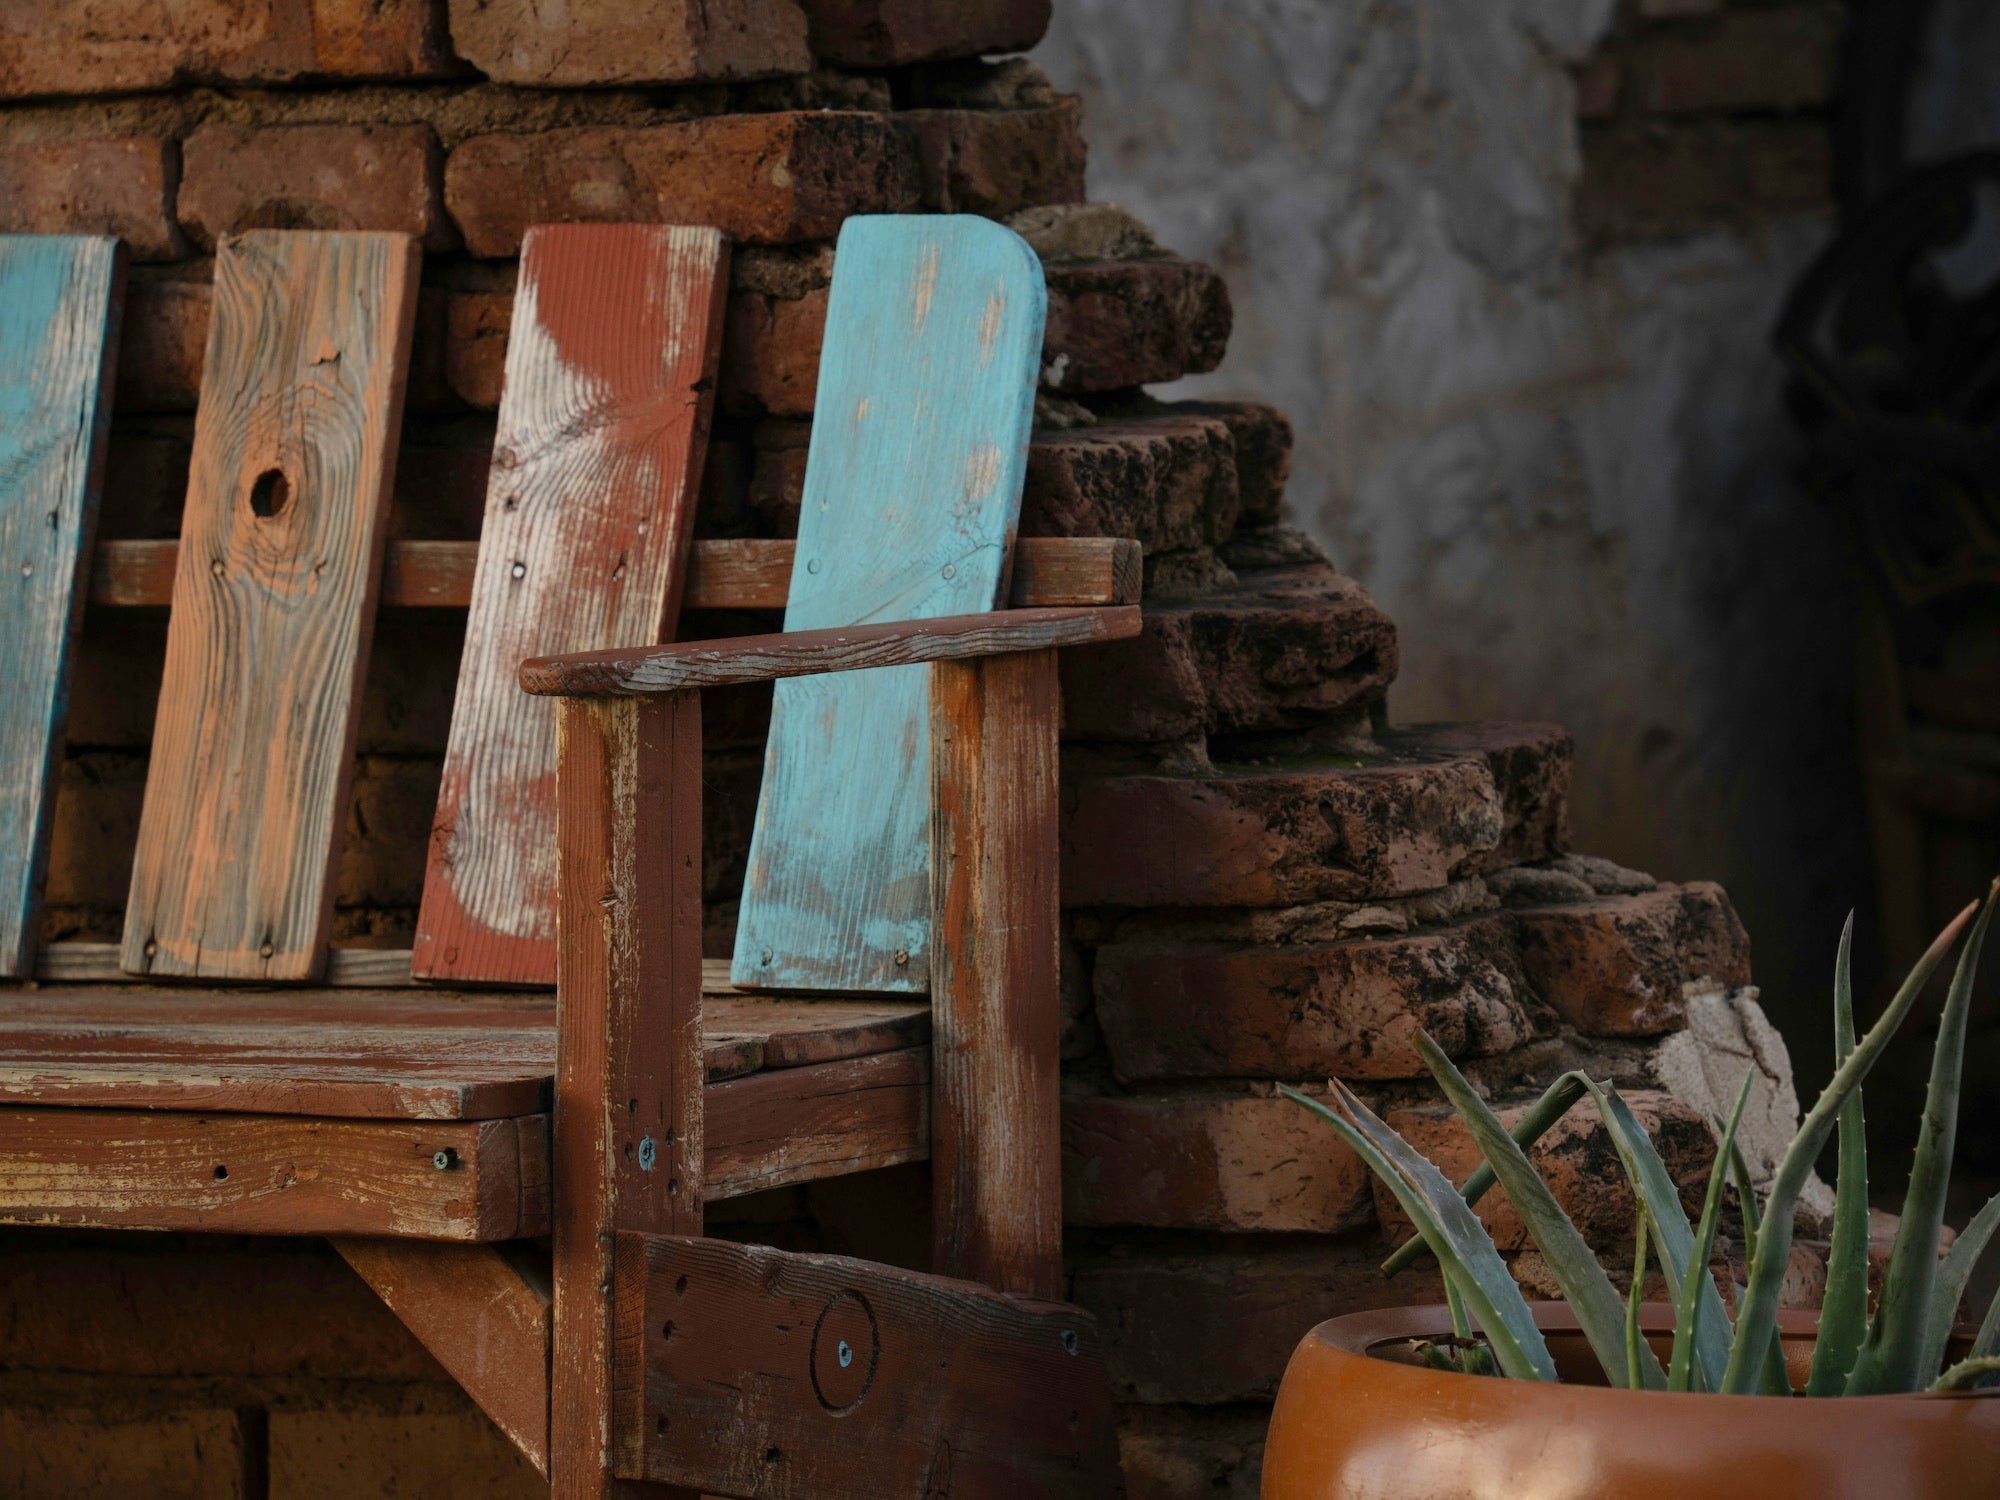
(902, 957)
(648, 1153)
(519, 570)
(950, 571)
(445, 1159)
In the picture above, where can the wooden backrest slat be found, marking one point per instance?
(602, 434)
(60, 299)
(912, 496)
(274, 605)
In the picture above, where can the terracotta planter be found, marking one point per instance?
(1360, 1418)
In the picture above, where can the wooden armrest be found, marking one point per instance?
(637, 672)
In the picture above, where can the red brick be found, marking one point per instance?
(91, 1455)
(120, 185)
(889, 33)
(1576, 1159)
(766, 179)
(475, 353)
(1744, 60)
(1280, 650)
(996, 161)
(1167, 480)
(1205, 1329)
(1226, 1161)
(1615, 966)
(1429, 805)
(1311, 1010)
(441, 1455)
(586, 42)
(1657, 178)
(770, 355)
(342, 177)
(1116, 324)
(161, 345)
(1262, 436)
(121, 46)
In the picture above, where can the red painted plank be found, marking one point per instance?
(589, 510)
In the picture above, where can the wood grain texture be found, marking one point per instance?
(778, 1128)
(484, 1313)
(274, 605)
(723, 573)
(628, 1116)
(357, 1054)
(912, 497)
(750, 1371)
(364, 968)
(603, 431)
(60, 300)
(258, 1174)
(996, 1152)
(854, 648)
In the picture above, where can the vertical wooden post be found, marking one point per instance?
(996, 1165)
(628, 1105)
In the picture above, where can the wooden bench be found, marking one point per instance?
(224, 1070)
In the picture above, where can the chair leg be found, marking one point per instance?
(628, 1103)
(996, 1165)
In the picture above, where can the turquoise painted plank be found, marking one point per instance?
(912, 494)
(60, 299)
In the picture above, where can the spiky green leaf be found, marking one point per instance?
(1952, 1277)
(1964, 1375)
(1634, 1340)
(1464, 1250)
(1891, 1357)
(1534, 1123)
(1776, 1379)
(1688, 1312)
(1599, 1310)
(1758, 1313)
(1843, 1317)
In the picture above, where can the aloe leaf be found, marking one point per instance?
(1687, 1315)
(1463, 1249)
(1531, 1127)
(1776, 1380)
(1966, 1374)
(1987, 1340)
(1634, 1378)
(1843, 1316)
(1952, 1277)
(1673, 1236)
(1472, 1356)
(1891, 1358)
(1600, 1312)
(1758, 1312)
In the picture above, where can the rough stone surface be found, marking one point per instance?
(1727, 1036)
(1576, 1159)
(119, 185)
(890, 33)
(994, 162)
(1529, 455)
(1199, 1160)
(1205, 1328)
(1617, 965)
(1427, 805)
(766, 179)
(1308, 1011)
(341, 177)
(589, 42)
(1115, 324)
(117, 46)
(1278, 650)
(1169, 481)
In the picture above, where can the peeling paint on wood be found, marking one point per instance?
(912, 496)
(60, 300)
(590, 505)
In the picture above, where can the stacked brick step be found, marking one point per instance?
(1266, 878)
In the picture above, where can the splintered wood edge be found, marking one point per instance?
(762, 658)
(741, 573)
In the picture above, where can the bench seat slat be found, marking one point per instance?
(231, 1173)
(368, 1054)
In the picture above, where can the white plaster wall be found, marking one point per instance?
(1565, 476)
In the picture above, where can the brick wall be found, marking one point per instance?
(1266, 878)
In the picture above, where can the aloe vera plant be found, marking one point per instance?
(1900, 1349)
